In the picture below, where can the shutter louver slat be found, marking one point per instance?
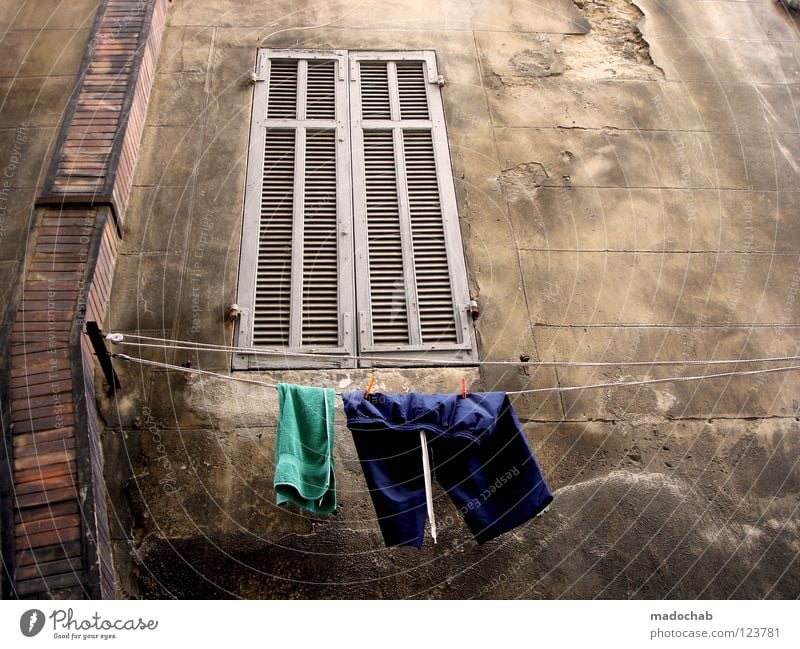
(411, 85)
(320, 324)
(283, 89)
(375, 103)
(321, 92)
(274, 268)
(434, 292)
(385, 248)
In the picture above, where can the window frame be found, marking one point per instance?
(355, 324)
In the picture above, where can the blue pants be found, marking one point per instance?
(478, 453)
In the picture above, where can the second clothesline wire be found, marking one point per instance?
(167, 343)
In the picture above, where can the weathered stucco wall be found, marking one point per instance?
(618, 201)
(42, 47)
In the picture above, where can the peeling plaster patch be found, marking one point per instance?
(639, 405)
(526, 175)
(614, 48)
(521, 59)
(522, 180)
(543, 62)
(664, 400)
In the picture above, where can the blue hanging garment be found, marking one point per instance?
(478, 454)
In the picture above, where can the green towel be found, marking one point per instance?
(304, 469)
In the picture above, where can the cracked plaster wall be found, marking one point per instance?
(626, 179)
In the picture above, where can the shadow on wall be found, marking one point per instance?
(590, 544)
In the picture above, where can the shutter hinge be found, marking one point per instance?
(431, 69)
(439, 81)
(260, 73)
(244, 314)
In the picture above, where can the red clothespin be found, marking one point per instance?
(463, 388)
(369, 386)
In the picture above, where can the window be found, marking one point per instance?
(351, 243)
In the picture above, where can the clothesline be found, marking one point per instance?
(529, 493)
(523, 485)
(120, 339)
(571, 388)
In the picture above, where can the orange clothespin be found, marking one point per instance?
(369, 386)
(463, 388)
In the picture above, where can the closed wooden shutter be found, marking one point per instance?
(412, 300)
(296, 274)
